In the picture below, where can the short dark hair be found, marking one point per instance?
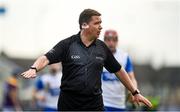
(86, 15)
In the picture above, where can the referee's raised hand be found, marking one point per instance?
(31, 73)
(38, 65)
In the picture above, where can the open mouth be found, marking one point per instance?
(98, 32)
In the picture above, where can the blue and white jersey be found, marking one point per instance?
(113, 89)
(40, 91)
(50, 85)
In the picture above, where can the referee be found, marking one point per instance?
(83, 57)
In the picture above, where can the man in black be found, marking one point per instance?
(83, 57)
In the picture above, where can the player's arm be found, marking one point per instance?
(38, 65)
(39, 90)
(38, 96)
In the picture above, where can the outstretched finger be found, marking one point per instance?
(22, 74)
(25, 75)
(147, 102)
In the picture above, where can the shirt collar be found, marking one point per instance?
(80, 41)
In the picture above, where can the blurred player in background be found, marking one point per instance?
(114, 92)
(47, 90)
(10, 92)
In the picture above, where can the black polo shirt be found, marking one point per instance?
(82, 66)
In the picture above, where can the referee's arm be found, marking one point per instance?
(38, 65)
(55, 55)
(123, 76)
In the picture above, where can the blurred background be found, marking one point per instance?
(149, 30)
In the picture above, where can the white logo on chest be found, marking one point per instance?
(99, 58)
(75, 57)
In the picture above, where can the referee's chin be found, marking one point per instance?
(97, 37)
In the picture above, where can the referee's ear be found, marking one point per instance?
(85, 26)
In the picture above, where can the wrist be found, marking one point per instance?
(34, 68)
(135, 92)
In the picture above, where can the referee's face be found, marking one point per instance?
(95, 27)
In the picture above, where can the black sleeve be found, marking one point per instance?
(56, 54)
(111, 64)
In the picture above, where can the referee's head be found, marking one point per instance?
(85, 16)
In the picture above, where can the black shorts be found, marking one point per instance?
(71, 102)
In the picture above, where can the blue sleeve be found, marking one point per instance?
(129, 66)
(39, 84)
